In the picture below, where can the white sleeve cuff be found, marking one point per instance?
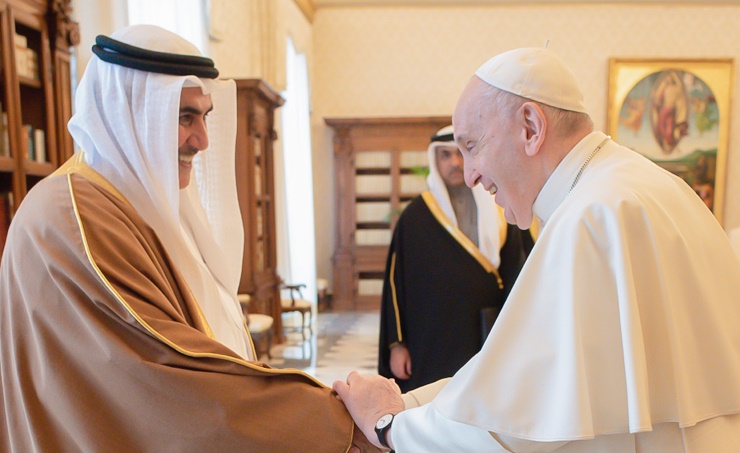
(423, 395)
(424, 429)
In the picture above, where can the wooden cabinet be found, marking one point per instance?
(379, 165)
(256, 104)
(35, 36)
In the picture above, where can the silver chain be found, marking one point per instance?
(585, 163)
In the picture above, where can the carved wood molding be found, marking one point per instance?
(61, 25)
(342, 142)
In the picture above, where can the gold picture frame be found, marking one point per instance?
(677, 114)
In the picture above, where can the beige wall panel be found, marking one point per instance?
(409, 61)
(233, 38)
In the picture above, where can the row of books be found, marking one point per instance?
(373, 159)
(33, 143)
(26, 59)
(414, 159)
(370, 287)
(378, 184)
(373, 212)
(371, 184)
(4, 139)
(382, 159)
(376, 211)
(413, 183)
(373, 237)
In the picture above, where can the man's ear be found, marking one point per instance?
(534, 127)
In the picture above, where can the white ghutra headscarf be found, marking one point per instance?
(489, 219)
(126, 121)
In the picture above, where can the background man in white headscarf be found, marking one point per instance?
(451, 264)
(620, 334)
(119, 324)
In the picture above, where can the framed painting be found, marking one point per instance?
(677, 114)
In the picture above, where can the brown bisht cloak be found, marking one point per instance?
(103, 348)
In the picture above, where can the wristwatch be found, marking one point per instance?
(381, 428)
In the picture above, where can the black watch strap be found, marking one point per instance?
(382, 427)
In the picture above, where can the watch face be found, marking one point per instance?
(384, 421)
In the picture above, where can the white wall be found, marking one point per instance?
(96, 17)
(415, 61)
(409, 61)
(252, 42)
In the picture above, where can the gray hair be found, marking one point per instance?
(564, 122)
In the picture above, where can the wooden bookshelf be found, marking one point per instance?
(256, 104)
(376, 163)
(35, 95)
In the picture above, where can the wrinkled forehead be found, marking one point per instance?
(470, 107)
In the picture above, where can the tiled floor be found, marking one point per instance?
(341, 342)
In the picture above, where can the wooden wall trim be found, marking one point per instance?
(307, 7)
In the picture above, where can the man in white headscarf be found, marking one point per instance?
(119, 324)
(620, 334)
(452, 262)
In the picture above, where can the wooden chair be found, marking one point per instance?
(260, 327)
(297, 304)
(322, 294)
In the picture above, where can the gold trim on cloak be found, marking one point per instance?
(463, 240)
(77, 165)
(392, 279)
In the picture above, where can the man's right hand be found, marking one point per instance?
(400, 361)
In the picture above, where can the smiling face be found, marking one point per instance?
(492, 143)
(192, 135)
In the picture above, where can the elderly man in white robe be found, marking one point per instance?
(620, 334)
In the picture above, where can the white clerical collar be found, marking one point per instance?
(559, 184)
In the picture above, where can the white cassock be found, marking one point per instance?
(620, 335)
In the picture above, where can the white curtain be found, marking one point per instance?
(299, 243)
(187, 18)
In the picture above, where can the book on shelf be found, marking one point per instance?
(373, 212)
(6, 214)
(370, 287)
(5, 140)
(413, 184)
(373, 159)
(26, 59)
(373, 237)
(33, 144)
(20, 41)
(414, 159)
(39, 144)
(28, 149)
(372, 184)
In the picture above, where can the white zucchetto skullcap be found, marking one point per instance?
(536, 74)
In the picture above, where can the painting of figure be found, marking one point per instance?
(669, 110)
(672, 115)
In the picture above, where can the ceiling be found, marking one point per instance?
(327, 3)
(309, 7)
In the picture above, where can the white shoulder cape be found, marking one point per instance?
(625, 314)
